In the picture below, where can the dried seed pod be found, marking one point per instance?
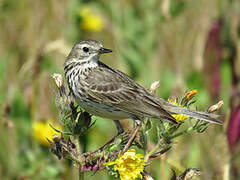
(153, 87)
(215, 107)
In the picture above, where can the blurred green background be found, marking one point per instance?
(184, 44)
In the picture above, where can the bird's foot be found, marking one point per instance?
(139, 125)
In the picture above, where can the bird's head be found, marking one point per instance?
(87, 50)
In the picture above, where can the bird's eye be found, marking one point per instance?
(85, 49)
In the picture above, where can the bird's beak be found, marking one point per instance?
(104, 50)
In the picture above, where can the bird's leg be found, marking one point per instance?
(119, 127)
(139, 125)
(120, 131)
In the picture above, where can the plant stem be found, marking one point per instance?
(182, 132)
(80, 173)
(151, 152)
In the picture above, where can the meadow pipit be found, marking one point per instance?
(109, 93)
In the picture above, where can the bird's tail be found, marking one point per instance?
(173, 109)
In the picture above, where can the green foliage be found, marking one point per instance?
(176, 7)
(3, 66)
(152, 40)
(167, 80)
(19, 107)
(226, 81)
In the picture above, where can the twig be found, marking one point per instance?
(147, 176)
(182, 132)
(151, 152)
(80, 172)
(131, 138)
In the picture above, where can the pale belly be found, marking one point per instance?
(102, 110)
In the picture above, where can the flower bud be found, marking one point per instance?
(215, 107)
(189, 95)
(58, 79)
(153, 87)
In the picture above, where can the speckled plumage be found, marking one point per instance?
(109, 93)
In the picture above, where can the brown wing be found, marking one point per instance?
(114, 88)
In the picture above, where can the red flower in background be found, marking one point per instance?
(212, 60)
(233, 130)
(213, 57)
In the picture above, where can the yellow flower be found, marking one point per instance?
(42, 131)
(178, 117)
(90, 21)
(129, 165)
(188, 95)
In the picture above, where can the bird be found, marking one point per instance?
(109, 93)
